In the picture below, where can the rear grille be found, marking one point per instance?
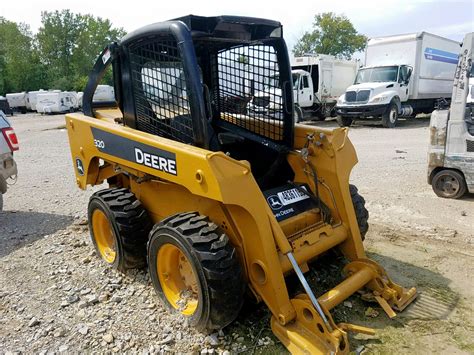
(263, 101)
(359, 96)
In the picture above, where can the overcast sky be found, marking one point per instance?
(447, 18)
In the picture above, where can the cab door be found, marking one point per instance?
(404, 74)
(305, 91)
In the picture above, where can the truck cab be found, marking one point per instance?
(303, 88)
(265, 101)
(376, 91)
(403, 75)
(318, 80)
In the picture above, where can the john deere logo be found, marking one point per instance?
(79, 166)
(274, 202)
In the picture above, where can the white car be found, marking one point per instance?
(8, 144)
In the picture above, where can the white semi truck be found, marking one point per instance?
(318, 80)
(403, 75)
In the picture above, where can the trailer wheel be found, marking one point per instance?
(362, 214)
(119, 227)
(390, 117)
(449, 184)
(344, 121)
(195, 270)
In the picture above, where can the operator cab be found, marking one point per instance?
(190, 80)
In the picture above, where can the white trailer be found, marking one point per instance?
(31, 99)
(79, 97)
(104, 93)
(56, 102)
(403, 75)
(17, 101)
(319, 80)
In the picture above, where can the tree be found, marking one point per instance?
(19, 65)
(56, 42)
(94, 35)
(69, 45)
(331, 34)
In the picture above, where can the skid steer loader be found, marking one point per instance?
(217, 200)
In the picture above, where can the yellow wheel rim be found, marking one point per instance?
(104, 236)
(177, 279)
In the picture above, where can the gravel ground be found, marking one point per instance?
(56, 296)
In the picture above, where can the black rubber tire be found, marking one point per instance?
(130, 224)
(344, 121)
(362, 214)
(387, 120)
(320, 116)
(214, 261)
(455, 178)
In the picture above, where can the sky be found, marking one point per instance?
(446, 18)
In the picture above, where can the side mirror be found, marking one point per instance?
(410, 70)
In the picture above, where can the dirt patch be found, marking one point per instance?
(66, 298)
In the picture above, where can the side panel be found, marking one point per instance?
(343, 76)
(385, 52)
(437, 146)
(439, 57)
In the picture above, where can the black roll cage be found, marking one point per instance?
(231, 31)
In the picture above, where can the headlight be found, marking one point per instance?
(340, 100)
(379, 99)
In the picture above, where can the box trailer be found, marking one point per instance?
(17, 101)
(56, 102)
(403, 75)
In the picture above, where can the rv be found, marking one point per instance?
(104, 93)
(31, 99)
(17, 101)
(56, 102)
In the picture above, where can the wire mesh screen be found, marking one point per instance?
(159, 89)
(249, 91)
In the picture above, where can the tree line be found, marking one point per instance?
(60, 56)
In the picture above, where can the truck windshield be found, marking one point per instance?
(379, 74)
